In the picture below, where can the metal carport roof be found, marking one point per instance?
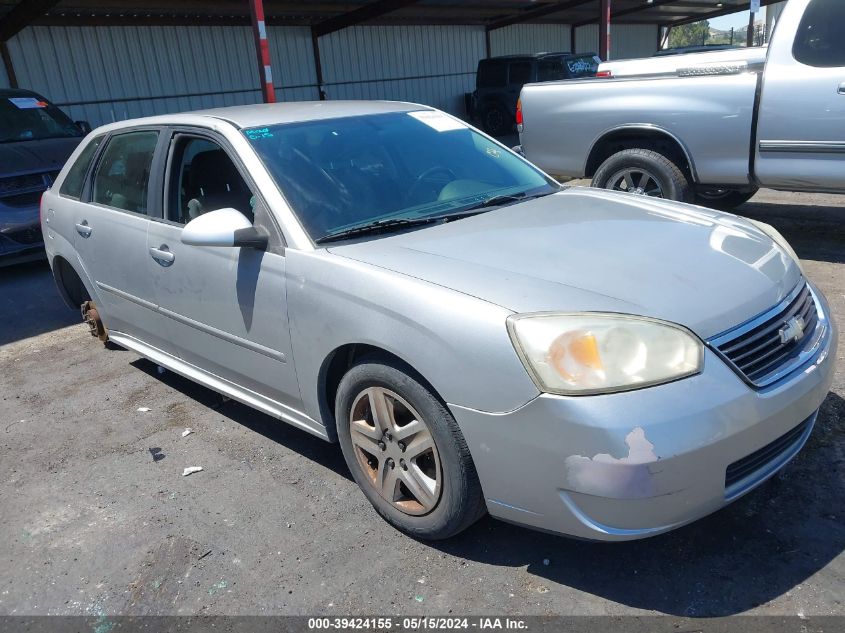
(491, 13)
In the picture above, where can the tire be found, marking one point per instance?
(495, 120)
(723, 199)
(664, 178)
(454, 501)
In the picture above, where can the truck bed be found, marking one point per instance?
(705, 101)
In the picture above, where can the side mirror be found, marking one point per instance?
(83, 126)
(224, 227)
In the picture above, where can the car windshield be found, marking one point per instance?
(339, 174)
(28, 118)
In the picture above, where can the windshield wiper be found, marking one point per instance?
(493, 201)
(378, 226)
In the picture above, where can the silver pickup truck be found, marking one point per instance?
(707, 127)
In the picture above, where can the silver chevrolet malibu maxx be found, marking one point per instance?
(604, 365)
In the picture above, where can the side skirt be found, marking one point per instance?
(220, 385)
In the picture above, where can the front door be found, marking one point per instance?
(225, 306)
(801, 132)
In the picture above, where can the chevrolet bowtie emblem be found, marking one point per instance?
(792, 330)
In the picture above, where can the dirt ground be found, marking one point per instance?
(96, 517)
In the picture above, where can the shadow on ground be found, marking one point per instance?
(317, 450)
(816, 232)
(29, 302)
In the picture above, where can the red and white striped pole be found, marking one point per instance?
(262, 47)
(604, 31)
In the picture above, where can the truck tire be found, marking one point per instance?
(495, 120)
(643, 172)
(723, 199)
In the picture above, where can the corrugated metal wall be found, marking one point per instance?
(110, 73)
(519, 39)
(4, 79)
(292, 57)
(434, 65)
(627, 41)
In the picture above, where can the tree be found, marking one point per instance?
(695, 34)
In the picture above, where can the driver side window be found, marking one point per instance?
(203, 178)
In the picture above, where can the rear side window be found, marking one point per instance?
(550, 70)
(583, 66)
(819, 41)
(123, 173)
(492, 75)
(75, 180)
(520, 73)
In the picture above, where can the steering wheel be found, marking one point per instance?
(425, 179)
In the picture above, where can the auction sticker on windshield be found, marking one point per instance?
(437, 120)
(27, 103)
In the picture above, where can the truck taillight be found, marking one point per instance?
(605, 74)
(519, 111)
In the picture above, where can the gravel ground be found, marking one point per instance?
(98, 519)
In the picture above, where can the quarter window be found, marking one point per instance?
(819, 41)
(520, 73)
(123, 174)
(205, 179)
(75, 180)
(492, 75)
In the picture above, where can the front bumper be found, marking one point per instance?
(20, 234)
(634, 464)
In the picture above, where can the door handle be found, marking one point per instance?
(83, 229)
(162, 255)
(842, 88)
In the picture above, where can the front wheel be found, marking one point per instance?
(723, 199)
(405, 451)
(643, 172)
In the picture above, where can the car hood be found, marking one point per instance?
(591, 250)
(24, 157)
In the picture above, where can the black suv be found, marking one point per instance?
(499, 80)
(36, 138)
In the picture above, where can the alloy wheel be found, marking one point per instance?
(636, 181)
(396, 450)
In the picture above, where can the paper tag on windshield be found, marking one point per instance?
(437, 120)
(27, 103)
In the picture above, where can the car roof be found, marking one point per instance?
(264, 114)
(532, 56)
(6, 93)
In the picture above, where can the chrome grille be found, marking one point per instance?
(777, 342)
(16, 185)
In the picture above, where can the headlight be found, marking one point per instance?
(589, 353)
(778, 239)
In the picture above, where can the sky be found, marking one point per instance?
(736, 20)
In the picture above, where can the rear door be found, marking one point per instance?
(110, 227)
(226, 307)
(801, 130)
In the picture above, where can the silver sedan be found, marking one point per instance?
(476, 337)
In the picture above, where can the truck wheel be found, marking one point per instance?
(406, 452)
(496, 120)
(723, 199)
(643, 172)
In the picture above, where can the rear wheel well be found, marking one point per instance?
(654, 140)
(69, 283)
(341, 361)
